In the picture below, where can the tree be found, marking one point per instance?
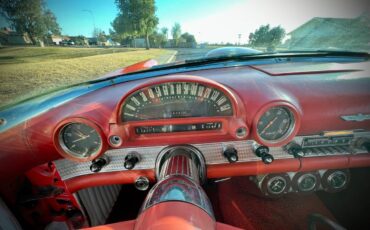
(189, 38)
(115, 36)
(99, 35)
(136, 18)
(51, 23)
(164, 31)
(176, 33)
(266, 37)
(31, 17)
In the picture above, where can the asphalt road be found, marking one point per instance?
(190, 53)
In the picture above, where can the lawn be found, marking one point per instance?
(25, 72)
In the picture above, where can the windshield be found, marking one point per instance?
(48, 44)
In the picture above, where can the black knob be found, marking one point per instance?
(267, 158)
(98, 164)
(295, 150)
(231, 154)
(263, 152)
(130, 160)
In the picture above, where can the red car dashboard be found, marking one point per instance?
(244, 120)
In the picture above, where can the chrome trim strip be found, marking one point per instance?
(211, 152)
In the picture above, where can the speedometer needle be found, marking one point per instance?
(80, 139)
(268, 125)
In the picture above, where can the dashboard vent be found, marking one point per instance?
(98, 202)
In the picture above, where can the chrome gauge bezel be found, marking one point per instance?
(330, 174)
(336, 174)
(287, 133)
(304, 177)
(270, 181)
(267, 180)
(294, 112)
(76, 156)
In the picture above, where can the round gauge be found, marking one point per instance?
(275, 124)
(276, 185)
(337, 180)
(307, 183)
(80, 140)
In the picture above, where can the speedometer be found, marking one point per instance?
(175, 100)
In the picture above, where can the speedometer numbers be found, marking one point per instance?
(275, 124)
(176, 100)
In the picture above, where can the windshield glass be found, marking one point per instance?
(48, 44)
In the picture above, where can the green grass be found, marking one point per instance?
(26, 72)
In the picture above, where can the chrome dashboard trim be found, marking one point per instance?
(212, 153)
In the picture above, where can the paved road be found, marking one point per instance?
(186, 54)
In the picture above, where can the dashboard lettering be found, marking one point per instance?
(200, 91)
(130, 107)
(165, 90)
(178, 89)
(186, 89)
(193, 89)
(221, 100)
(215, 95)
(151, 93)
(225, 107)
(207, 93)
(158, 91)
(143, 96)
(135, 100)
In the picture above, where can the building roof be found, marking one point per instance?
(343, 33)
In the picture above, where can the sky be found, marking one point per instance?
(213, 21)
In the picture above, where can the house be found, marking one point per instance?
(138, 43)
(334, 33)
(9, 37)
(79, 40)
(54, 39)
(93, 41)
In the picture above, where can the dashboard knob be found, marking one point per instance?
(267, 158)
(231, 154)
(294, 149)
(98, 164)
(131, 160)
(142, 183)
(263, 152)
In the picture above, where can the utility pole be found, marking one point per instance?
(93, 18)
(239, 37)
